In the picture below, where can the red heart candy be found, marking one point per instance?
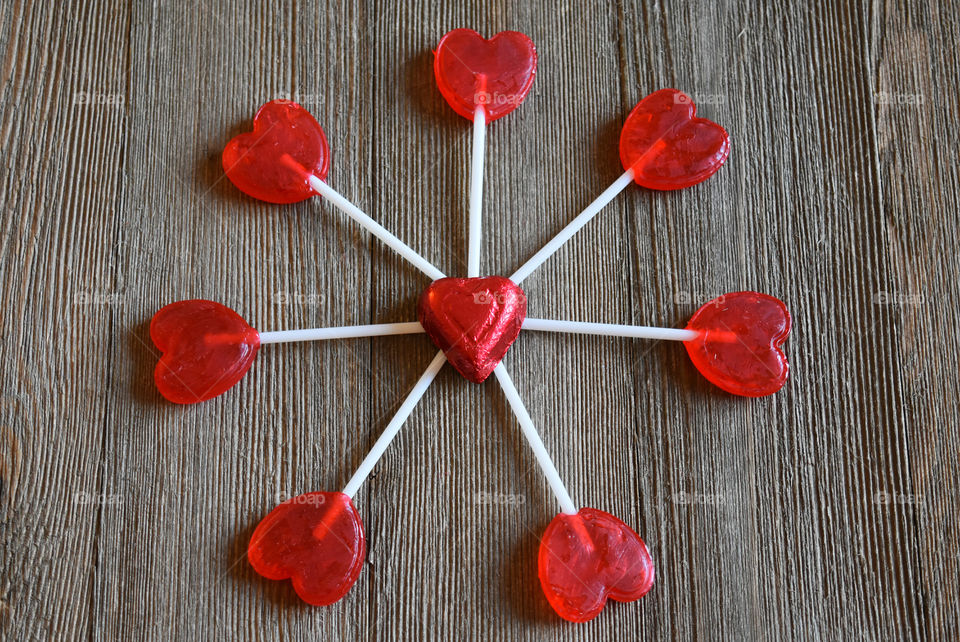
(252, 161)
(667, 147)
(496, 74)
(474, 321)
(739, 344)
(315, 540)
(207, 348)
(589, 557)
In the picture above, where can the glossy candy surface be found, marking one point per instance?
(667, 146)
(496, 73)
(315, 540)
(207, 348)
(589, 557)
(474, 321)
(252, 161)
(739, 344)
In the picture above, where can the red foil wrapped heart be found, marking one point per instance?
(474, 321)
(738, 348)
(252, 161)
(496, 74)
(207, 348)
(589, 557)
(667, 146)
(315, 540)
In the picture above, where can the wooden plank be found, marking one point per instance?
(457, 511)
(63, 129)
(197, 480)
(913, 67)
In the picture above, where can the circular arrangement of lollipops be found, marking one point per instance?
(587, 556)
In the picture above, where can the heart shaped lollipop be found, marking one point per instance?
(252, 161)
(316, 540)
(589, 557)
(207, 348)
(667, 147)
(496, 74)
(474, 321)
(738, 345)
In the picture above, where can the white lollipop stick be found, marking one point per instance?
(610, 329)
(374, 228)
(533, 438)
(394, 426)
(539, 325)
(473, 269)
(476, 192)
(573, 227)
(340, 332)
(354, 212)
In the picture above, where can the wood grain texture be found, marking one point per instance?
(827, 511)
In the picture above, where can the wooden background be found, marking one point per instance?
(827, 511)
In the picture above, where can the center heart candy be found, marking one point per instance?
(207, 348)
(474, 321)
(738, 348)
(667, 147)
(316, 540)
(589, 557)
(495, 73)
(252, 161)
